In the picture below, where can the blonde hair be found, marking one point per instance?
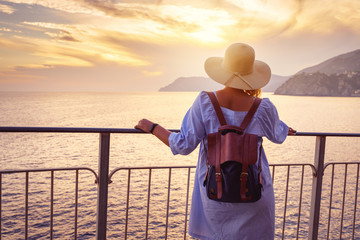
(254, 93)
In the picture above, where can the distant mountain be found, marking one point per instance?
(338, 76)
(197, 84)
(191, 84)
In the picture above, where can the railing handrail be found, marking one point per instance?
(9, 171)
(133, 130)
(28, 170)
(73, 130)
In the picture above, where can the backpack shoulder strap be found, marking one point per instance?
(217, 108)
(250, 113)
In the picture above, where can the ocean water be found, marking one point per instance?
(124, 110)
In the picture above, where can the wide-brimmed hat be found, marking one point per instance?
(238, 68)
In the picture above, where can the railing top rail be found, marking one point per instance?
(10, 171)
(132, 130)
(71, 130)
(328, 134)
(5, 171)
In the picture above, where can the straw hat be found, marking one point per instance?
(238, 68)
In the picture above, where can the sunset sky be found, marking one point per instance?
(142, 45)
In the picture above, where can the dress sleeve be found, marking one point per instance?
(192, 130)
(273, 128)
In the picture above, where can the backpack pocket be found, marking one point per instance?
(231, 183)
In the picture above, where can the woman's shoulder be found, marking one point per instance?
(266, 107)
(201, 102)
(266, 102)
(203, 94)
(203, 105)
(202, 98)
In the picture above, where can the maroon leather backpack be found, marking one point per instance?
(233, 175)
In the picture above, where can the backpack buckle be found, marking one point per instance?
(218, 177)
(244, 175)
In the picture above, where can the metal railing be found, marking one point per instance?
(26, 207)
(103, 178)
(129, 170)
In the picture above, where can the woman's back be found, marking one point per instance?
(234, 99)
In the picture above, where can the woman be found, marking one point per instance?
(243, 77)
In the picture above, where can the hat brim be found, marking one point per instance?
(259, 77)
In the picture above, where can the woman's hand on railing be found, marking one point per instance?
(144, 125)
(291, 131)
(154, 128)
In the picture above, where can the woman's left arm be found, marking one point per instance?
(157, 130)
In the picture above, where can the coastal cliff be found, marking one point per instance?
(338, 77)
(320, 84)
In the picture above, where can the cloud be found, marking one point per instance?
(189, 21)
(6, 9)
(68, 38)
(57, 31)
(4, 29)
(319, 18)
(86, 48)
(68, 6)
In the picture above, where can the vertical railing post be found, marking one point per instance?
(102, 193)
(316, 188)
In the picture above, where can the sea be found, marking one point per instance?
(124, 110)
